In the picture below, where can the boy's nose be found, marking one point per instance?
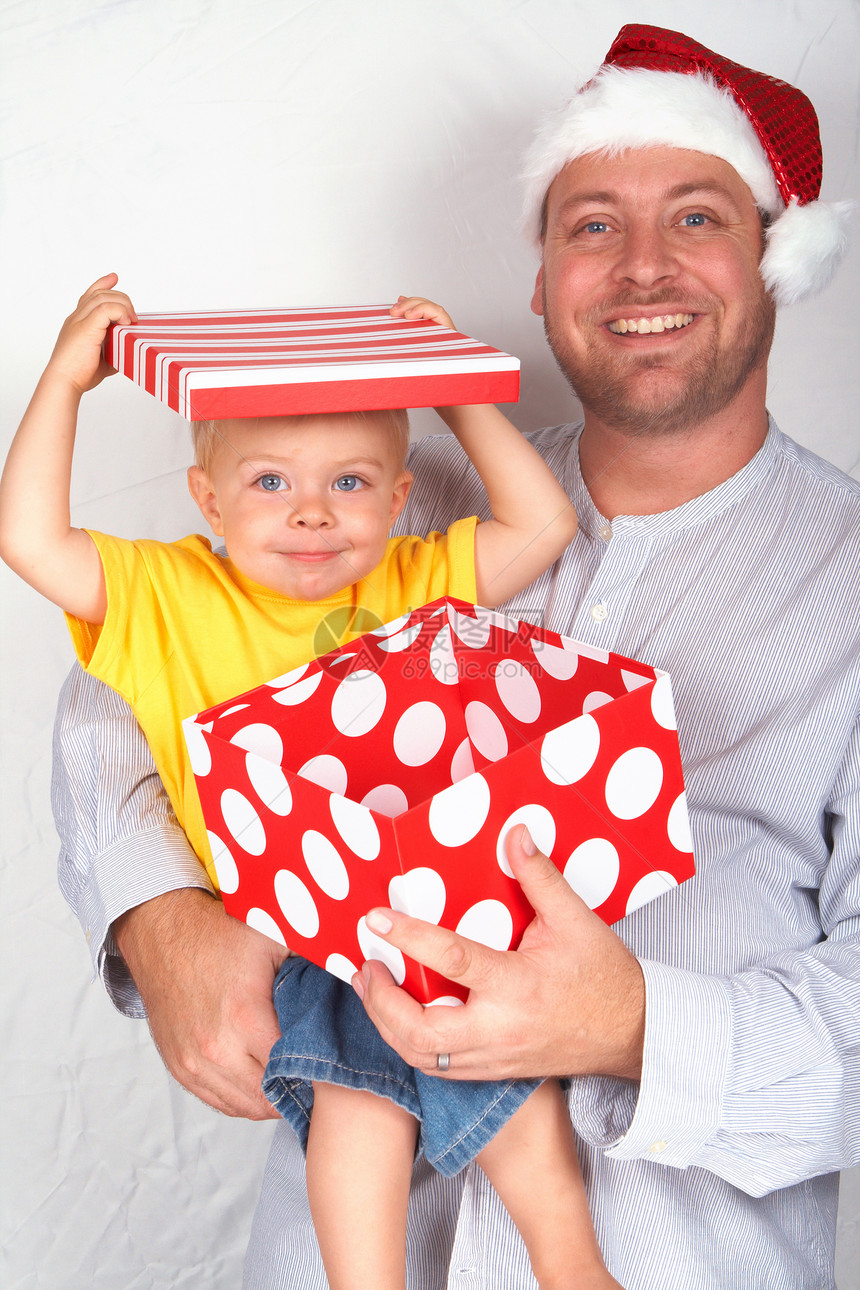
(311, 511)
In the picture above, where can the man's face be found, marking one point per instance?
(649, 287)
(304, 504)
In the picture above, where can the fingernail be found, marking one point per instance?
(358, 985)
(378, 922)
(526, 843)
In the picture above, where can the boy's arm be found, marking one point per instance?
(37, 539)
(533, 518)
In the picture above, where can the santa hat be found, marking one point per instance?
(659, 87)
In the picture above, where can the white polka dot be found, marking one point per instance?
(358, 703)
(473, 632)
(389, 629)
(325, 865)
(263, 922)
(648, 888)
(458, 813)
(419, 734)
(373, 947)
(244, 823)
(490, 923)
(443, 660)
(661, 704)
(462, 763)
(420, 892)
(237, 707)
(327, 771)
(198, 749)
(356, 826)
(633, 783)
(300, 691)
(444, 1001)
(592, 871)
(540, 825)
(596, 699)
(339, 965)
(556, 662)
(296, 903)
(486, 731)
(270, 784)
(517, 690)
(402, 640)
(679, 825)
(386, 799)
(260, 739)
(633, 680)
(569, 752)
(288, 678)
(225, 865)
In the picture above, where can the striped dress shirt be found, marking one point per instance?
(720, 1168)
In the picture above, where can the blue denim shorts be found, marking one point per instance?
(327, 1036)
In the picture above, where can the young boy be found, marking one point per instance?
(304, 505)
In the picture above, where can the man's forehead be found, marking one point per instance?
(666, 174)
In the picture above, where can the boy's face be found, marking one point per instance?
(304, 504)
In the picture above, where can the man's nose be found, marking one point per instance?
(646, 257)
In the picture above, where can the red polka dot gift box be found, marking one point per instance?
(279, 362)
(389, 772)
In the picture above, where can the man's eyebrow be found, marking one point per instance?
(608, 197)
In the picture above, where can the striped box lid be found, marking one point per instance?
(280, 362)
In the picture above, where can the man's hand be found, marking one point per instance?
(206, 982)
(569, 1001)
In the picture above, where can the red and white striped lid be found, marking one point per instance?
(285, 362)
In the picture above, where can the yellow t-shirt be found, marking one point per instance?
(185, 630)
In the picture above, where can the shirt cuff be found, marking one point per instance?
(119, 882)
(681, 1095)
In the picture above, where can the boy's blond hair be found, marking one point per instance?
(206, 435)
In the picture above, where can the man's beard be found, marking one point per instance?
(606, 383)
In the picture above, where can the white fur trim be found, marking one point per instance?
(804, 247)
(627, 107)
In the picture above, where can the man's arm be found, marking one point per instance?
(163, 943)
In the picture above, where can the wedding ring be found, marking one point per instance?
(443, 1061)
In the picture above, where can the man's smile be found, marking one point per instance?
(650, 326)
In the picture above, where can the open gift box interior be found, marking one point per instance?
(391, 770)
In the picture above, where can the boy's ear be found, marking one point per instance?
(201, 489)
(402, 485)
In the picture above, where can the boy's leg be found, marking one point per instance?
(533, 1166)
(359, 1166)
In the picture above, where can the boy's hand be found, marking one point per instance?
(418, 307)
(77, 356)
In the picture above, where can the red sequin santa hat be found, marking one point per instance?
(658, 87)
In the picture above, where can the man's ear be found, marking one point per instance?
(537, 296)
(402, 485)
(202, 490)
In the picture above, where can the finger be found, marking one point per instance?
(543, 884)
(417, 1033)
(454, 956)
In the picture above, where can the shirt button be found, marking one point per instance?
(599, 612)
(657, 1147)
(605, 532)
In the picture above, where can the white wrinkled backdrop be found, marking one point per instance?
(275, 152)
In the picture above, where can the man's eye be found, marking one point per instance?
(271, 483)
(596, 226)
(347, 483)
(696, 220)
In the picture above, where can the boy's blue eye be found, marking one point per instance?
(347, 483)
(271, 483)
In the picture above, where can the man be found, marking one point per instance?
(713, 1034)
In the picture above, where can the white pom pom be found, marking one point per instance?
(804, 247)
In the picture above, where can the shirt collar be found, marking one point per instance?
(694, 512)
